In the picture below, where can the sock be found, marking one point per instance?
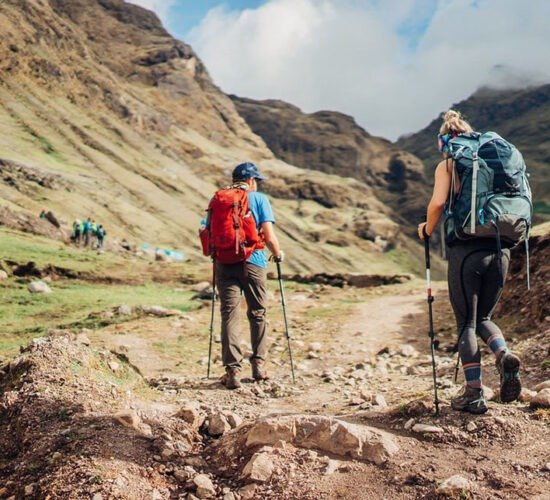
(472, 374)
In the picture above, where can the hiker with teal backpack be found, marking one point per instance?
(481, 186)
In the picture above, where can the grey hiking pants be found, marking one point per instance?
(476, 277)
(230, 280)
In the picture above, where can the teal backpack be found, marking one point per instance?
(494, 198)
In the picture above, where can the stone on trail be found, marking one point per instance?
(455, 485)
(542, 386)
(124, 310)
(128, 418)
(380, 401)
(233, 419)
(427, 429)
(190, 413)
(315, 346)
(409, 423)
(527, 395)
(160, 311)
(259, 468)
(200, 287)
(205, 486)
(3, 275)
(542, 399)
(407, 350)
(248, 492)
(488, 393)
(39, 287)
(332, 467)
(471, 426)
(218, 425)
(326, 434)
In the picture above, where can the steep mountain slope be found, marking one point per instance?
(103, 113)
(521, 116)
(332, 142)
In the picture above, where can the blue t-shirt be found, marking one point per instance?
(262, 212)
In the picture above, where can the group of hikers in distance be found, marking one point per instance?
(480, 189)
(89, 233)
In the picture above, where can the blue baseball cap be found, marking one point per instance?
(247, 170)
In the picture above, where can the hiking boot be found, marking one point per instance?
(470, 400)
(510, 383)
(258, 369)
(231, 378)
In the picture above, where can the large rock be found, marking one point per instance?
(259, 468)
(39, 287)
(326, 434)
(3, 275)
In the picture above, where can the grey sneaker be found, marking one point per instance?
(231, 379)
(258, 369)
(470, 400)
(510, 384)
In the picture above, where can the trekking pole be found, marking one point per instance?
(212, 316)
(280, 278)
(430, 300)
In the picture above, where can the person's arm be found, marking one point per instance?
(440, 194)
(271, 240)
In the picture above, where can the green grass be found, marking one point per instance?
(74, 304)
(22, 248)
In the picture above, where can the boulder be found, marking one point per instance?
(200, 287)
(39, 287)
(3, 275)
(259, 468)
(326, 434)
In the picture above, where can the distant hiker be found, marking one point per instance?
(77, 227)
(86, 231)
(100, 233)
(240, 265)
(93, 232)
(483, 175)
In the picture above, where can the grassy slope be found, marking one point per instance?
(79, 302)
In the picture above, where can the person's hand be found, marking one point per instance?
(421, 227)
(277, 258)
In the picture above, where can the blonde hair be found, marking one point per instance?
(454, 123)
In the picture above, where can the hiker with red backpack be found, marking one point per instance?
(482, 187)
(239, 225)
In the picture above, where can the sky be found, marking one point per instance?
(393, 65)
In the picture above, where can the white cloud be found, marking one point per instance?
(360, 57)
(160, 7)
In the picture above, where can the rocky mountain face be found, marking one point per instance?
(332, 142)
(103, 113)
(521, 116)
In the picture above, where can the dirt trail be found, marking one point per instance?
(361, 355)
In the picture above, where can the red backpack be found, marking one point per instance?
(230, 235)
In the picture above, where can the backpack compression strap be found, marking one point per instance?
(473, 207)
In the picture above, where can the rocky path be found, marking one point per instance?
(359, 423)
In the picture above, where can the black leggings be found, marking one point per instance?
(476, 277)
